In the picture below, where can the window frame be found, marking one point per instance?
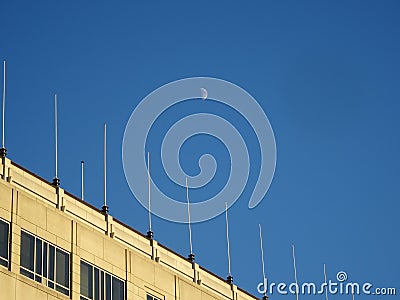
(152, 297)
(102, 276)
(5, 262)
(48, 264)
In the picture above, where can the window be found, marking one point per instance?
(151, 297)
(97, 284)
(4, 243)
(44, 263)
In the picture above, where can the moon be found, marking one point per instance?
(204, 93)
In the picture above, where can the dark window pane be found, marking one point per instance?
(86, 280)
(3, 262)
(62, 268)
(4, 240)
(102, 285)
(38, 257)
(26, 273)
(62, 290)
(96, 284)
(44, 259)
(51, 262)
(108, 287)
(27, 250)
(117, 289)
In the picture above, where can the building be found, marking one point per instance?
(55, 246)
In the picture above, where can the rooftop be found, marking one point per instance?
(77, 209)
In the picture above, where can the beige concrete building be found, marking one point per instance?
(55, 246)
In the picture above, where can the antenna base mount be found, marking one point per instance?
(3, 152)
(149, 234)
(56, 182)
(191, 257)
(229, 279)
(104, 209)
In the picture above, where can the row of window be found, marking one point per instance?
(44, 263)
(50, 265)
(97, 284)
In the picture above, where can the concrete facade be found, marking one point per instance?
(31, 204)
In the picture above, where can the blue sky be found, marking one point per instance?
(326, 74)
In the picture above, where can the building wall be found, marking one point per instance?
(30, 203)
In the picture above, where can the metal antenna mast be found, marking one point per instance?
(326, 284)
(150, 232)
(82, 180)
(191, 255)
(3, 150)
(56, 180)
(295, 273)
(229, 279)
(105, 207)
(265, 297)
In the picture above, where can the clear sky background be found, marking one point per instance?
(327, 75)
